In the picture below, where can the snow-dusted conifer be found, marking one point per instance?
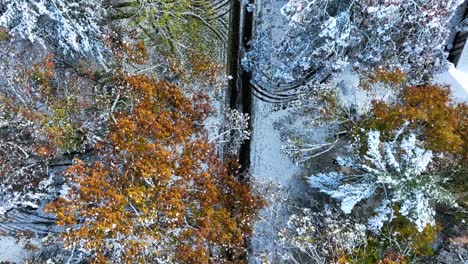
(397, 172)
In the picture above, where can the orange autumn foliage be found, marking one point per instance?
(158, 191)
(429, 109)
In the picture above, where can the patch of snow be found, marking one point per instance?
(268, 161)
(463, 61)
(384, 213)
(373, 153)
(270, 165)
(351, 95)
(419, 211)
(250, 8)
(12, 250)
(349, 194)
(458, 81)
(457, 77)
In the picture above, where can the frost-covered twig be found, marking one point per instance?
(303, 152)
(233, 128)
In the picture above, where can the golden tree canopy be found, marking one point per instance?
(158, 191)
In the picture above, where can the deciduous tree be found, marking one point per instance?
(158, 193)
(176, 28)
(41, 119)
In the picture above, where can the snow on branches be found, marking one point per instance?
(396, 172)
(410, 35)
(71, 25)
(325, 36)
(319, 236)
(232, 130)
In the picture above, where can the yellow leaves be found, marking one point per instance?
(43, 74)
(77, 169)
(137, 54)
(392, 257)
(124, 52)
(63, 217)
(4, 34)
(124, 133)
(136, 195)
(45, 151)
(428, 108)
(396, 78)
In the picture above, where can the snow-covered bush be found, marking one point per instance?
(39, 128)
(71, 25)
(292, 229)
(232, 130)
(319, 236)
(24, 182)
(311, 127)
(396, 172)
(407, 34)
(265, 243)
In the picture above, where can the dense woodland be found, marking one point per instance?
(119, 141)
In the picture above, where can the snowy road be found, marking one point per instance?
(268, 164)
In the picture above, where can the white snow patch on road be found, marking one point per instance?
(456, 77)
(274, 175)
(463, 61)
(268, 162)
